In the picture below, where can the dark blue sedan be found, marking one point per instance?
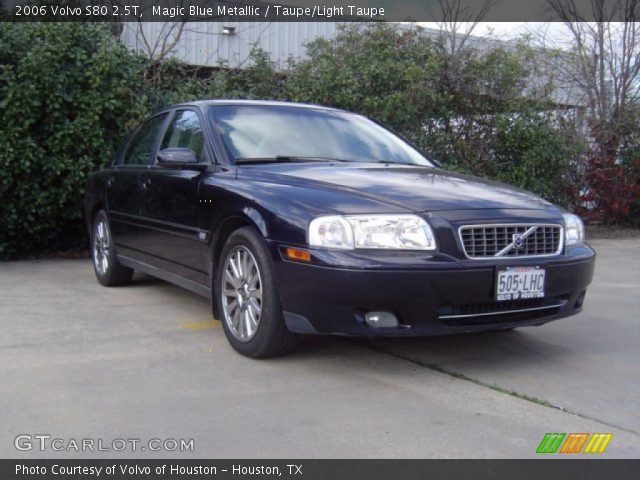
(299, 219)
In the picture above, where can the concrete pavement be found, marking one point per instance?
(80, 361)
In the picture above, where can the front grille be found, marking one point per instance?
(522, 240)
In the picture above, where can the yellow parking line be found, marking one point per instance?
(201, 324)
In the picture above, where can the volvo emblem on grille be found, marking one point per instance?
(518, 241)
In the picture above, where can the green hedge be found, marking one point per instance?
(68, 94)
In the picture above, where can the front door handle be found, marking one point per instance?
(109, 182)
(145, 183)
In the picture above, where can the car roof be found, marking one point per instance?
(273, 103)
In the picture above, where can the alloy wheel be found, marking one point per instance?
(101, 246)
(242, 293)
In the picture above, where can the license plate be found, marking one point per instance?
(517, 283)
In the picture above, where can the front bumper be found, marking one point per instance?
(430, 296)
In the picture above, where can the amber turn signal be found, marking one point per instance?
(298, 254)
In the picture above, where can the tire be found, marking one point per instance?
(108, 270)
(247, 298)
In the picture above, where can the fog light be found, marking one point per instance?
(381, 319)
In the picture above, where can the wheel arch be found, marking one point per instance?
(91, 216)
(95, 200)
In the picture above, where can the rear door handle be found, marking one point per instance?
(109, 182)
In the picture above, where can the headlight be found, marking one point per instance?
(573, 229)
(331, 232)
(390, 232)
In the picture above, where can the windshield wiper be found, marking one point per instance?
(286, 159)
(396, 163)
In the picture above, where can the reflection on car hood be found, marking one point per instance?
(416, 188)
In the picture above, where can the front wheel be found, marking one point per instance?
(248, 300)
(108, 270)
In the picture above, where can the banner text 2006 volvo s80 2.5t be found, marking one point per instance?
(298, 219)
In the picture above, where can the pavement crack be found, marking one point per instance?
(495, 388)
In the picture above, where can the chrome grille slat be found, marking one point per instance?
(485, 242)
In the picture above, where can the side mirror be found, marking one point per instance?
(179, 158)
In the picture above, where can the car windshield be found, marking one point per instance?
(288, 133)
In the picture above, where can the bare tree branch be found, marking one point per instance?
(606, 63)
(459, 21)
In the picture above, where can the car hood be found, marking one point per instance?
(412, 187)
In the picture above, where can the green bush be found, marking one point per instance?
(173, 82)
(532, 153)
(68, 94)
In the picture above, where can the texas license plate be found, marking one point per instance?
(517, 283)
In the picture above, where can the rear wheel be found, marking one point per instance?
(248, 300)
(105, 263)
